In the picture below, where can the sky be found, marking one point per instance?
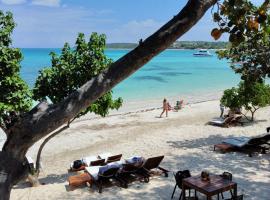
(51, 23)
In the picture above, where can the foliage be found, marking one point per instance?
(72, 69)
(250, 96)
(248, 26)
(176, 45)
(15, 96)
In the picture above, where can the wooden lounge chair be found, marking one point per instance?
(100, 174)
(149, 165)
(221, 122)
(126, 172)
(247, 145)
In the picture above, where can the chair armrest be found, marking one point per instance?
(165, 171)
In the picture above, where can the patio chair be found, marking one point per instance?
(179, 176)
(239, 197)
(227, 176)
(149, 165)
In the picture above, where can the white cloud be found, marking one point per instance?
(13, 2)
(51, 3)
(133, 31)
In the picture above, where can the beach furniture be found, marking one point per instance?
(131, 166)
(99, 160)
(79, 180)
(260, 143)
(149, 165)
(239, 197)
(214, 186)
(113, 158)
(227, 122)
(179, 176)
(100, 174)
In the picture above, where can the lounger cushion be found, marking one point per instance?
(93, 171)
(135, 160)
(237, 141)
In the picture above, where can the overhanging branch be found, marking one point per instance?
(36, 125)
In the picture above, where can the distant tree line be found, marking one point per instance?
(176, 45)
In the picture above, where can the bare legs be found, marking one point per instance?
(164, 110)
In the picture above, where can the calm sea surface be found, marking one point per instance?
(171, 73)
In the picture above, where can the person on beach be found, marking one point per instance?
(179, 105)
(222, 107)
(165, 107)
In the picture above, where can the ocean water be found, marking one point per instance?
(171, 73)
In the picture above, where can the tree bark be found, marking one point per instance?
(44, 119)
(11, 172)
(43, 144)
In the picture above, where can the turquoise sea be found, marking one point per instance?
(171, 73)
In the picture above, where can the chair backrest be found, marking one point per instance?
(109, 173)
(227, 176)
(180, 175)
(152, 163)
(97, 162)
(129, 168)
(114, 158)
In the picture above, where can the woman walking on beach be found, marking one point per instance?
(165, 108)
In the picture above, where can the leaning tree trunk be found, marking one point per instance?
(44, 119)
(11, 171)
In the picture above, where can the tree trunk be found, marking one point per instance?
(42, 146)
(11, 171)
(44, 119)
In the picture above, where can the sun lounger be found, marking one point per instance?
(245, 144)
(99, 160)
(100, 174)
(221, 122)
(149, 165)
(79, 180)
(130, 167)
(228, 121)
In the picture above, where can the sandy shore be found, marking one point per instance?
(183, 138)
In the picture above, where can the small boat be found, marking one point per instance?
(202, 53)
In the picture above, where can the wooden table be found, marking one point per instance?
(215, 186)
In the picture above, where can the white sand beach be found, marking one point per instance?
(183, 138)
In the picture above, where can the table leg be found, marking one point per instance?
(209, 198)
(235, 191)
(183, 192)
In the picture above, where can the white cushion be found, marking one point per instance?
(93, 171)
(237, 141)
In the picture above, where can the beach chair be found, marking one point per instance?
(221, 122)
(100, 174)
(247, 145)
(128, 169)
(149, 165)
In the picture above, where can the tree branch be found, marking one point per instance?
(38, 124)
